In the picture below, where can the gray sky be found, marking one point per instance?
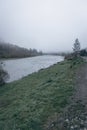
(48, 25)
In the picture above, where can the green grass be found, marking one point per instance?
(27, 104)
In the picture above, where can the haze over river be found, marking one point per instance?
(18, 68)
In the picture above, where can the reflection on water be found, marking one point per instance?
(17, 68)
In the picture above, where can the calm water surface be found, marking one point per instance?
(18, 68)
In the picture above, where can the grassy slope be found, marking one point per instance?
(27, 104)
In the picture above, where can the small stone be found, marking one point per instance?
(85, 129)
(86, 124)
(65, 124)
(81, 125)
(67, 120)
(52, 124)
(85, 121)
(76, 126)
(82, 122)
(72, 127)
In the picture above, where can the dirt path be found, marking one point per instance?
(81, 82)
(75, 115)
(77, 112)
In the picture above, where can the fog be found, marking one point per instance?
(47, 25)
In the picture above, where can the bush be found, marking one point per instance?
(3, 75)
(83, 52)
(69, 56)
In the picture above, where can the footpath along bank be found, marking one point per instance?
(45, 100)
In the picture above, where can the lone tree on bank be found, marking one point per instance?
(76, 47)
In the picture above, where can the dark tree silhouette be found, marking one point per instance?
(76, 47)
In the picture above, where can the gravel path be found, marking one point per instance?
(81, 82)
(75, 115)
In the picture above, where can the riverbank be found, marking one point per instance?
(39, 101)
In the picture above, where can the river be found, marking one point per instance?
(18, 68)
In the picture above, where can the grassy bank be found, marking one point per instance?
(36, 101)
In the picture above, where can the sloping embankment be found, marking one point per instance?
(38, 101)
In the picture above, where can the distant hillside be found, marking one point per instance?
(12, 51)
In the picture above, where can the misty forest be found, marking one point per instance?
(13, 51)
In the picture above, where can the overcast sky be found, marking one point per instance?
(48, 25)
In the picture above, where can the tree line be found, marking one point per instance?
(12, 51)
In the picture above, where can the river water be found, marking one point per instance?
(18, 68)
